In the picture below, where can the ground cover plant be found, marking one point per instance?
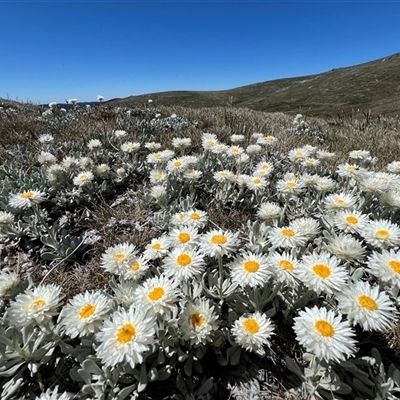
(172, 253)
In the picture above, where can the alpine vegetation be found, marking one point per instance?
(150, 253)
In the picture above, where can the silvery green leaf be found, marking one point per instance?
(50, 256)
(164, 373)
(292, 366)
(125, 392)
(142, 384)
(348, 366)
(188, 367)
(361, 387)
(8, 371)
(91, 367)
(205, 387)
(233, 354)
(87, 378)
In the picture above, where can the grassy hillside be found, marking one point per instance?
(373, 86)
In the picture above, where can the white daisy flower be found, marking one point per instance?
(346, 247)
(322, 272)
(250, 269)
(253, 149)
(311, 162)
(359, 154)
(158, 192)
(26, 199)
(181, 143)
(119, 133)
(85, 162)
(340, 201)
(195, 217)
(53, 395)
(46, 158)
(257, 135)
(35, 306)
(253, 331)
(391, 199)
(176, 165)
(102, 170)
(324, 184)
(350, 221)
(83, 178)
(381, 233)
(217, 147)
(218, 242)
(152, 145)
(372, 185)
(72, 101)
(298, 155)
(84, 313)
(197, 322)
(157, 294)
(290, 187)
(269, 211)
(308, 227)
(135, 269)
(125, 337)
(324, 334)
(6, 218)
(223, 176)
(45, 138)
(234, 151)
(183, 263)
(237, 138)
(284, 267)
(286, 237)
(124, 291)
(193, 175)
(8, 281)
(385, 266)
(157, 248)
(367, 306)
(158, 176)
(70, 163)
(267, 140)
(94, 144)
(394, 167)
(324, 155)
(116, 258)
(256, 183)
(209, 143)
(130, 147)
(187, 235)
(351, 171)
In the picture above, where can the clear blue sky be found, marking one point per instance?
(53, 51)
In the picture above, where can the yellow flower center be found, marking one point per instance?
(86, 311)
(298, 154)
(156, 246)
(351, 219)
(218, 239)
(291, 184)
(287, 232)
(183, 237)
(197, 320)
(394, 265)
(310, 160)
(194, 216)
(130, 145)
(177, 163)
(324, 328)
(157, 155)
(135, 267)
(264, 166)
(82, 177)
(35, 304)
(119, 257)
(321, 270)
(351, 168)
(339, 201)
(269, 138)
(251, 325)
(210, 143)
(256, 181)
(382, 233)
(27, 195)
(235, 150)
(156, 293)
(126, 333)
(159, 175)
(366, 302)
(286, 265)
(251, 266)
(183, 260)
